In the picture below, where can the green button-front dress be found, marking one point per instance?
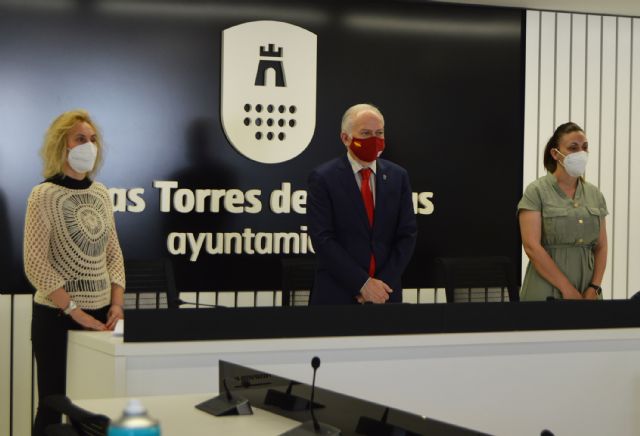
(570, 230)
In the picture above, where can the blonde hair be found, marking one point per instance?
(54, 148)
(353, 111)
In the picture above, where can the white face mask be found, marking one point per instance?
(574, 164)
(82, 157)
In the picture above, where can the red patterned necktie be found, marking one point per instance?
(367, 197)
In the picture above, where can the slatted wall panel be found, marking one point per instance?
(16, 385)
(5, 363)
(584, 68)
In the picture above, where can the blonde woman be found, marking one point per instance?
(72, 256)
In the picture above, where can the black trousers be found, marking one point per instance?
(49, 328)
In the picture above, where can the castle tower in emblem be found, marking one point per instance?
(271, 63)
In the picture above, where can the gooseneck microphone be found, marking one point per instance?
(315, 364)
(314, 427)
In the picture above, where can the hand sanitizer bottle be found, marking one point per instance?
(134, 422)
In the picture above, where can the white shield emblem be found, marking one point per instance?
(268, 89)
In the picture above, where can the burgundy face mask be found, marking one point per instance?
(367, 149)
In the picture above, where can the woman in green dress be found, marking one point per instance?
(562, 224)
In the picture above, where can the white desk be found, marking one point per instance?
(178, 416)
(583, 382)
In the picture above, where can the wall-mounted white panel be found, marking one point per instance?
(606, 168)
(633, 257)
(563, 69)
(22, 364)
(546, 102)
(578, 59)
(531, 99)
(531, 157)
(5, 362)
(619, 234)
(593, 36)
(584, 68)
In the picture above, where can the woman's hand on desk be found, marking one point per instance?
(86, 320)
(115, 313)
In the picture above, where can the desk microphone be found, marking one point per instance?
(315, 364)
(287, 401)
(372, 426)
(226, 404)
(313, 427)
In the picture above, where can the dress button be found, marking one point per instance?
(580, 221)
(576, 204)
(580, 241)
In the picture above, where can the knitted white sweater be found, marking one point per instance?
(70, 242)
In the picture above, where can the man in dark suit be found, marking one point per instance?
(361, 217)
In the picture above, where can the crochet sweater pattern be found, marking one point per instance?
(70, 242)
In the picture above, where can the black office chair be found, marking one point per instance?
(478, 279)
(80, 422)
(298, 274)
(150, 284)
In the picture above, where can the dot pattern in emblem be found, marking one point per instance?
(266, 116)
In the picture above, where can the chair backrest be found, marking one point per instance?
(150, 284)
(84, 423)
(298, 274)
(479, 279)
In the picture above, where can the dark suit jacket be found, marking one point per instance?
(342, 238)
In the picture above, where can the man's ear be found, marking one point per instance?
(346, 139)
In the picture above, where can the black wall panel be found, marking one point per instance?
(449, 80)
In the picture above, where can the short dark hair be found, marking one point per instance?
(549, 162)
